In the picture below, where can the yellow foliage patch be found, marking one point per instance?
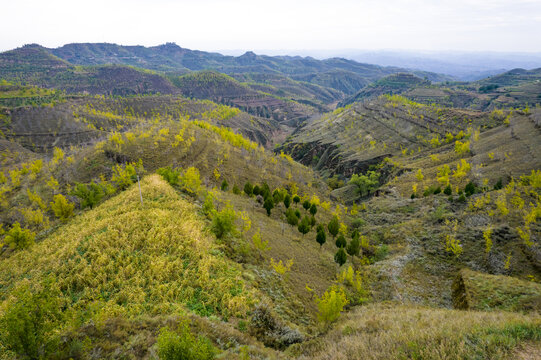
(135, 259)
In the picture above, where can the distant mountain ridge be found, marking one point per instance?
(171, 58)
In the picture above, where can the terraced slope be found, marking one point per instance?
(36, 66)
(392, 85)
(351, 139)
(226, 90)
(78, 120)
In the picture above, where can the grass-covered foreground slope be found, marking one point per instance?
(479, 291)
(130, 260)
(389, 331)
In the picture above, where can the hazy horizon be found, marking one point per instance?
(211, 25)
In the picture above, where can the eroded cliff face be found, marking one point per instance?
(329, 158)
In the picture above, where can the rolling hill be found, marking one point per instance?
(158, 202)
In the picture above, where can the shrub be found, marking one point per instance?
(277, 196)
(448, 190)
(18, 238)
(248, 189)
(439, 214)
(469, 190)
(330, 305)
(224, 186)
(341, 241)
(335, 182)
(256, 191)
(354, 246)
(291, 217)
(267, 328)
(89, 195)
(357, 223)
(365, 183)
(487, 235)
(26, 328)
(321, 237)
(236, 190)
(61, 207)
(304, 225)
(223, 222)
(268, 205)
(452, 244)
(190, 180)
(333, 226)
(534, 179)
(498, 185)
(182, 344)
(260, 244)
(124, 176)
(170, 175)
(381, 253)
(340, 257)
(297, 213)
(431, 190)
(208, 204)
(287, 201)
(281, 267)
(462, 147)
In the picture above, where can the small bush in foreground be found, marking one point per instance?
(182, 344)
(27, 327)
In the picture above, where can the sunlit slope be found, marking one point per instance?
(78, 121)
(505, 151)
(352, 138)
(129, 259)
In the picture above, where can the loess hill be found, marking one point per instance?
(265, 224)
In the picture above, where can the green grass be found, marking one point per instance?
(479, 291)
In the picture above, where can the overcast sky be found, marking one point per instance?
(471, 25)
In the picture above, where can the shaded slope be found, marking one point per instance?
(224, 89)
(282, 86)
(393, 85)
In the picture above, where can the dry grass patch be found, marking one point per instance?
(389, 331)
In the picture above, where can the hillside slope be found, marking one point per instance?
(226, 90)
(126, 259)
(34, 65)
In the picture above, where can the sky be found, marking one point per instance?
(289, 25)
